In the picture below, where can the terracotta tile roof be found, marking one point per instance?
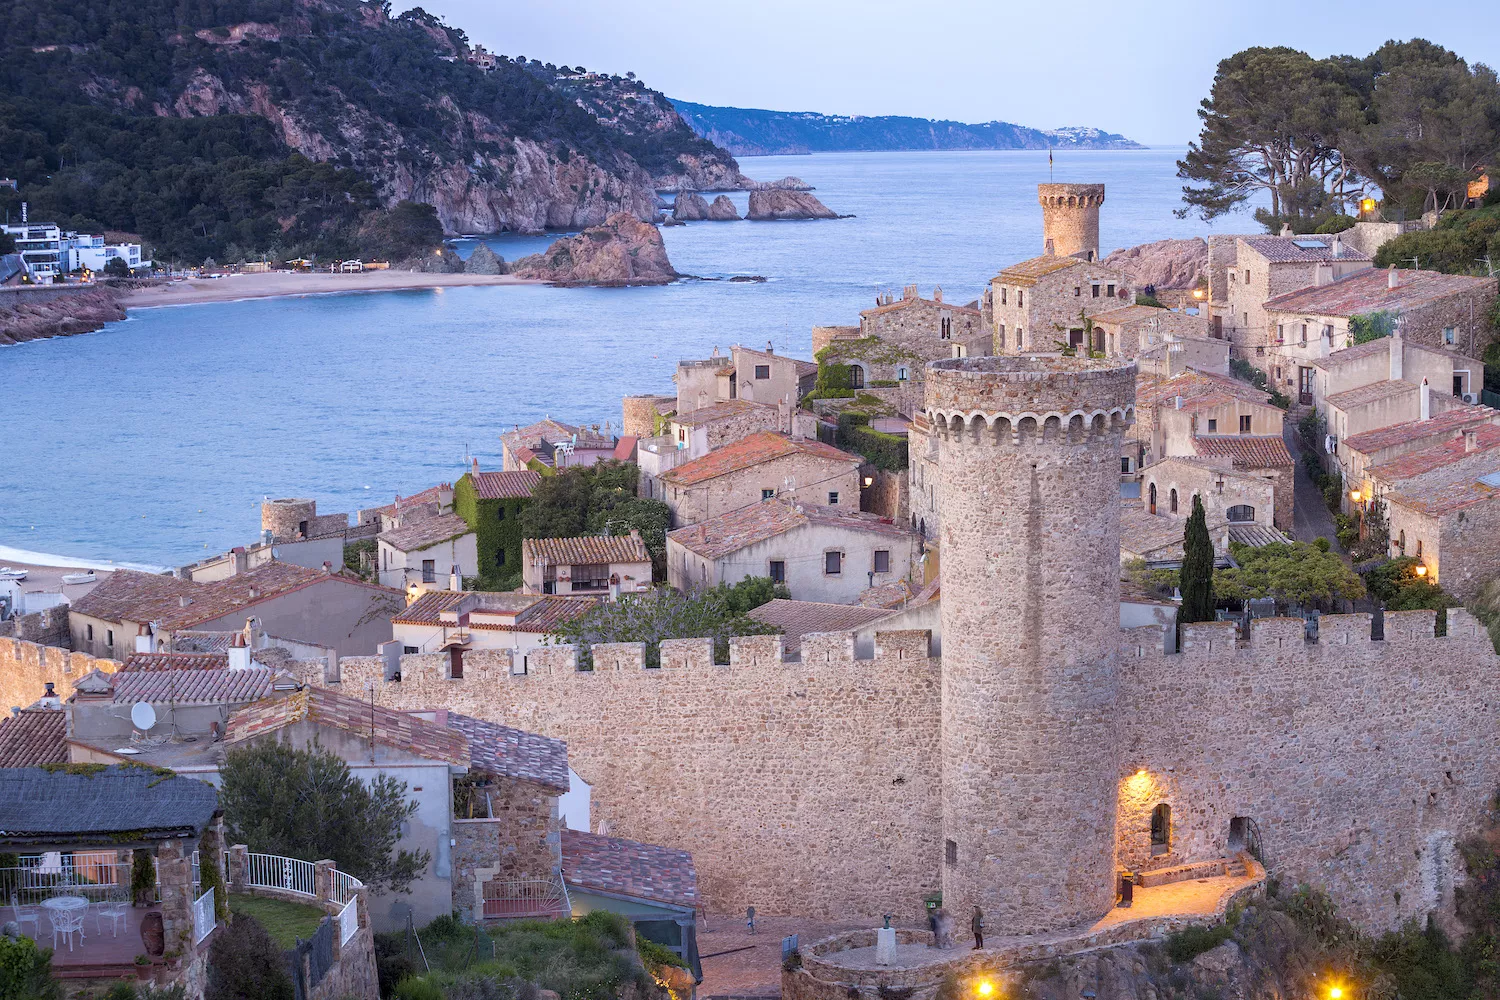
(34, 736)
(1284, 249)
(546, 614)
(549, 432)
(398, 730)
(127, 595)
(906, 303)
(730, 532)
(1199, 390)
(176, 661)
(1379, 347)
(1144, 533)
(195, 687)
(1444, 490)
(189, 641)
(798, 618)
(748, 452)
(587, 550)
(1441, 426)
(511, 753)
(1248, 452)
(1375, 392)
(625, 448)
(1255, 535)
(722, 410)
(1028, 271)
(626, 868)
(1369, 290)
(406, 504)
(426, 609)
(425, 533)
(504, 485)
(1416, 463)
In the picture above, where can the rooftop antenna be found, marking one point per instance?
(1416, 262)
(1488, 266)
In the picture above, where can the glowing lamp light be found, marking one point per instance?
(869, 480)
(1335, 993)
(984, 988)
(1421, 571)
(1366, 205)
(1354, 495)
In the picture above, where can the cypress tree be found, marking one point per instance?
(1196, 581)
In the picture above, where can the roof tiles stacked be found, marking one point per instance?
(1247, 452)
(1442, 425)
(1199, 390)
(1369, 290)
(726, 533)
(585, 550)
(504, 485)
(34, 736)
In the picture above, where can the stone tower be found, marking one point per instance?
(1029, 486)
(1070, 218)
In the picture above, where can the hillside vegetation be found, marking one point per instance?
(225, 128)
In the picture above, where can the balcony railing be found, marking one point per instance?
(521, 898)
(204, 919)
(272, 871)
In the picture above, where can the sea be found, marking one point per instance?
(154, 440)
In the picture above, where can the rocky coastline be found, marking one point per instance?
(623, 251)
(777, 204)
(36, 312)
(1164, 264)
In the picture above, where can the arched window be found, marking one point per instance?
(1151, 492)
(1161, 829)
(1172, 501)
(1419, 549)
(1401, 542)
(902, 374)
(1241, 512)
(856, 377)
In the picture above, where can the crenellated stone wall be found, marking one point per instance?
(26, 668)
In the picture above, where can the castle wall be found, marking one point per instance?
(25, 669)
(807, 786)
(1360, 763)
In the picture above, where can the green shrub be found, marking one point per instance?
(1333, 491)
(1190, 942)
(1321, 544)
(142, 877)
(656, 955)
(26, 971)
(244, 963)
(414, 988)
(882, 450)
(1335, 224)
(1142, 299)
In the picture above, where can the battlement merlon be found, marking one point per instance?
(1029, 394)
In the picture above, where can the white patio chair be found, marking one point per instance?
(28, 915)
(66, 923)
(113, 910)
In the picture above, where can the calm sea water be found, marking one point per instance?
(155, 439)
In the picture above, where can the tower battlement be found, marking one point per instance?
(1070, 218)
(1028, 396)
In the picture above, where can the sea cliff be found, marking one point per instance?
(35, 312)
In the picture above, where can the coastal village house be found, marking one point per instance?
(750, 375)
(821, 553)
(441, 621)
(1446, 312)
(491, 504)
(1362, 453)
(427, 555)
(1039, 304)
(319, 606)
(553, 444)
(592, 566)
(755, 468)
(1130, 330)
(912, 330)
(1263, 267)
(1245, 502)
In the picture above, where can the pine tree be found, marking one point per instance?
(1197, 577)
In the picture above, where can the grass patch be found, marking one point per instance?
(284, 921)
(1190, 942)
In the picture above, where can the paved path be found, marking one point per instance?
(1310, 517)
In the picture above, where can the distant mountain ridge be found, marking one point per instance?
(755, 132)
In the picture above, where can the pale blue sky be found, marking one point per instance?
(1136, 68)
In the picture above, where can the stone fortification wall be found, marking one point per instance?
(1070, 217)
(1358, 764)
(806, 785)
(640, 414)
(284, 517)
(25, 669)
(48, 627)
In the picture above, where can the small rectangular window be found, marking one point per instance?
(778, 571)
(500, 557)
(408, 650)
(1110, 291)
(109, 637)
(762, 371)
(1213, 425)
(833, 563)
(500, 512)
(833, 498)
(1077, 291)
(1096, 291)
(429, 571)
(767, 494)
(1002, 295)
(882, 560)
(455, 664)
(1124, 466)
(1020, 296)
(89, 632)
(950, 852)
(1244, 424)
(1448, 336)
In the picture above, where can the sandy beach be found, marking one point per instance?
(258, 286)
(48, 579)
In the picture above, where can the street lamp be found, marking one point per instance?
(1421, 570)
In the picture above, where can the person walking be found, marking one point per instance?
(976, 924)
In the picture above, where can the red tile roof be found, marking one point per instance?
(511, 753)
(1415, 463)
(1027, 272)
(625, 448)
(587, 550)
(1441, 426)
(426, 609)
(622, 867)
(407, 503)
(1369, 290)
(726, 533)
(1284, 249)
(1248, 452)
(34, 736)
(1375, 392)
(748, 452)
(1443, 491)
(722, 410)
(398, 730)
(1198, 390)
(546, 614)
(504, 485)
(195, 687)
(798, 618)
(425, 533)
(906, 303)
(176, 661)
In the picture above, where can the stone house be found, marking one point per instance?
(1443, 508)
(1363, 452)
(1174, 355)
(320, 607)
(1445, 312)
(755, 468)
(427, 555)
(693, 435)
(553, 444)
(1238, 500)
(1130, 330)
(705, 381)
(441, 621)
(1157, 539)
(768, 377)
(594, 565)
(490, 504)
(1263, 267)
(821, 553)
(1037, 305)
(929, 329)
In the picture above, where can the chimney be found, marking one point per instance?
(1471, 441)
(1426, 400)
(770, 348)
(1322, 275)
(455, 582)
(1338, 246)
(1392, 280)
(239, 653)
(937, 293)
(475, 469)
(1179, 402)
(445, 496)
(50, 699)
(1398, 355)
(1286, 230)
(241, 560)
(184, 600)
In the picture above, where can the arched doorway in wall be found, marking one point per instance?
(1244, 836)
(856, 376)
(1161, 829)
(1151, 494)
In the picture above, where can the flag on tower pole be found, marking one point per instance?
(1049, 163)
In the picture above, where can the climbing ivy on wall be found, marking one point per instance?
(492, 533)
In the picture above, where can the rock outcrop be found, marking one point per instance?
(689, 207)
(723, 210)
(623, 251)
(782, 204)
(1166, 264)
(785, 184)
(697, 173)
(485, 261)
(35, 313)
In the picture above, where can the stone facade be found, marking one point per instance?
(809, 478)
(521, 841)
(1220, 488)
(48, 627)
(929, 329)
(1256, 275)
(290, 519)
(1070, 218)
(641, 414)
(1036, 305)
(1131, 329)
(26, 669)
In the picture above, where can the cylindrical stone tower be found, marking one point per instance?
(287, 518)
(640, 414)
(1029, 487)
(1070, 218)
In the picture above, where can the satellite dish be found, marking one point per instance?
(143, 715)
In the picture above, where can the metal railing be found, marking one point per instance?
(348, 921)
(524, 898)
(345, 886)
(97, 877)
(204, 919)
(272, 871)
